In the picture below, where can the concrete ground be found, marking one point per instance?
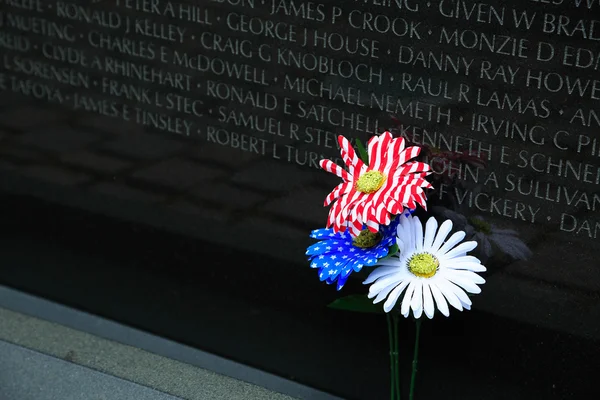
(27, 374)
(44, 360)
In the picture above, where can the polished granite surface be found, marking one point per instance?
(158, 169)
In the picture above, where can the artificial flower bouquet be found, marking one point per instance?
(416, 269)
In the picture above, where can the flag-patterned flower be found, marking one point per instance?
(430, 270)
(370, 194)
(337, 254)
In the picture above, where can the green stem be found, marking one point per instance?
(413, 376)
(397, 356)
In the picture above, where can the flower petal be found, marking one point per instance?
(504, 232)
(411, 232)
(324, 246)
(463, 282)
(440, 301)
(461, 249)
(486, 246)
(467, 263)
(472, 276)
(392, 261)
(395, 148)
(442, 234)
(353, 162)
(418, 232)
(378, 147)
(343, 278)
(446, 288)
(384, 293)
(401, 246)
(460, 294)
(407, 298)
(467, 266)
(385, 281)
(320, 233)
(417, 299)
(335, 169)
(430, 229)
(428, 306)
(380, 272)
(451, 242)
(511, 245)
(341, 189)
(464, 259)
(408, 154)
(392, 298)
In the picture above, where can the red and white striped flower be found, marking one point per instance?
(370, 194)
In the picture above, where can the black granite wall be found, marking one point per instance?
(152, 134)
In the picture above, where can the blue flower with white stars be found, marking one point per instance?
(337, 255)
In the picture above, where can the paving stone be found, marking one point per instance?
(228, 195)
(95, 161)
(126, 192)
(60, 176)
(101, 356)
(143, 146)
(177, 173)
(59, 139)
(272, 175)
(29, 374)
(302, 204)
(30, 116)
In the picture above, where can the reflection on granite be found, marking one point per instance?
(270, 207)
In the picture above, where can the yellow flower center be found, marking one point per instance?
(480, 225)
(366, 239)
(423, 265)
(370, 182)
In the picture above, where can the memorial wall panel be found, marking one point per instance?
(162, 159)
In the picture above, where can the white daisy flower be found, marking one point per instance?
(430, 268)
